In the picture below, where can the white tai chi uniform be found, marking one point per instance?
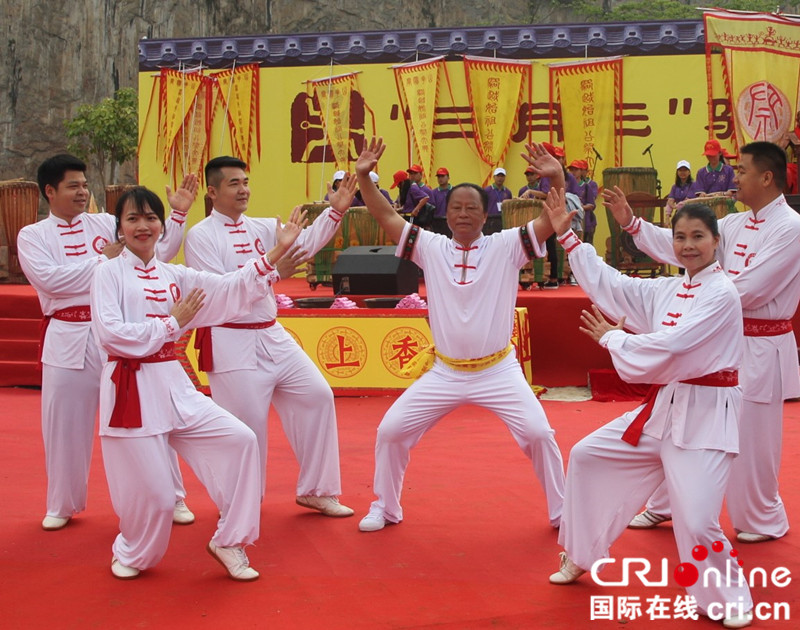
(255, 366)
(471, 298)
(59, 259)
(761, 255)
(687, 328)
(131, 302)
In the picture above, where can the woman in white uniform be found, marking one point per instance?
(141, 307)
(688, 341)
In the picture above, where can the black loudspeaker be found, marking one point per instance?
(374, 271)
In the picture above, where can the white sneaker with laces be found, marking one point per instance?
(182, 515)
(568, 572)
(647, 520)
(235, 561)
(329, 506)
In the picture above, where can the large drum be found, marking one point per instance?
(361, 228)
(516, 213)
(720, 204)
(631, 179)
(19, 205)
(113, 193)
(320, 269)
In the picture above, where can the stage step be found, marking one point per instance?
(18, 328)
(19, 350)
(20, 373)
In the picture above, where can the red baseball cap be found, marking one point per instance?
(530, 169)
(558, 152)
(576, 164)
(712, 147)
(414, 168)
(399, 176)
(550, 148)
(443, 171)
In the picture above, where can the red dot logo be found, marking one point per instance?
(686, 574)
(717, 545)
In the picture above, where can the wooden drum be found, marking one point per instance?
(19, 206)
(113, 193)
(517, 212)
(631, 179)
(361, 228)
(319, 270)
(720, 204)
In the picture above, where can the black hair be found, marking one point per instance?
(484, 196)
(689, 179)
(402, 191)
(700, 211)
(51, 171)
(215, 166)
(768, 157)
(141, 198)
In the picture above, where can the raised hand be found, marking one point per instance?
(542, 162)
(186, 308)
(290, 263)
(286, 234)
(614, 200)
(183, 198)
(556, 208)
(341, 198)
(595, 324)
(370, 154)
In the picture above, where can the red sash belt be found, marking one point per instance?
(127, 413)
(202, 341)
(727, 378)
(71, 314)
(766, 327)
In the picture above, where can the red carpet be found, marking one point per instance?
(474, 550)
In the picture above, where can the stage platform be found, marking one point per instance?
(561, 355)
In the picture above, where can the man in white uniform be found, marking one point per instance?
(59, 256)
(251, 360)
(472, 283)
(760, 251)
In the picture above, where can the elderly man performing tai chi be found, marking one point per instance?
(471, 281)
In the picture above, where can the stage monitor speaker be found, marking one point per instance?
(373, 270)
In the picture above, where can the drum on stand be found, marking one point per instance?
(319, 269)
(19, 206)
(361, 228)
(113, 193)
(516, 213)
(720, 204)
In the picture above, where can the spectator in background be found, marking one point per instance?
(531, 189)
(681, 190)
(338, 176)
(716, 177)
(497, 193)
(588, 197)
(439, 200)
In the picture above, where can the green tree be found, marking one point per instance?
(106, 134)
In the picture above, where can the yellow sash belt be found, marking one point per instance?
(425, 358)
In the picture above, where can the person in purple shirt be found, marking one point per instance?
(498, 193)
(439, 200)
(413, 195)
(359, 201)
(579, 169)
(681, 190)
(531, 189)
(716, 177)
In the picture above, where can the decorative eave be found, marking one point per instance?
(398, 46)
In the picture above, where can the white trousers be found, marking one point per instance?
(607, 480)
(69, 408)
(304, 402)
(754, 504)
(501, 389)
(223, 454)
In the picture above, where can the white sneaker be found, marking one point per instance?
(52, 523)
(647, 520)
(329, 506)
(235, 561)
(182, 515)
(738, 621)
(747, 537)
(372, 523)
(122, 572)
(568, 572)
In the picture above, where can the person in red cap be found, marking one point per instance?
(413, 196)
(579, 169)
(439, 200)
(716, 177)
(531, 189)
